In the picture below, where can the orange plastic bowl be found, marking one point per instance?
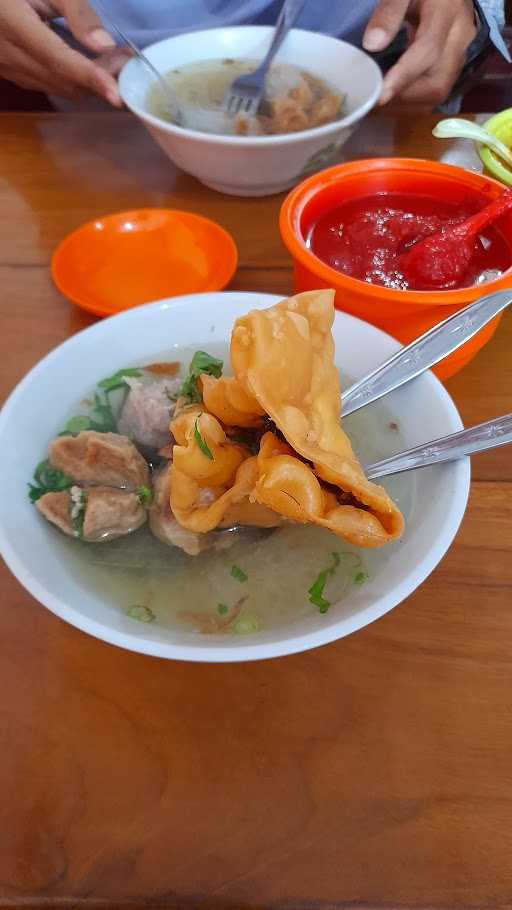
(403, 314)
(122, 260)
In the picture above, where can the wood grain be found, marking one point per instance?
(372, 773)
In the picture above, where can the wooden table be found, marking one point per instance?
(375, 772)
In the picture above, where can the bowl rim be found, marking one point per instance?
(294, 643)
(228, 263)
(487, 156)
(301, 195)
(256, 141)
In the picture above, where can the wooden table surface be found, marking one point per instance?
(374, 772)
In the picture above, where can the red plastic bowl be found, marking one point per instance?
(403, 314)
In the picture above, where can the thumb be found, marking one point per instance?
(85, 25)
(385, 24)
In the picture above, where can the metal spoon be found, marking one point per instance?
(168, 95)
(459, 128)
(425, 352)
(480, 438)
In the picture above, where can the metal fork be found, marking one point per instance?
(245, 94)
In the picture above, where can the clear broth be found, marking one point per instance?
(280, 565)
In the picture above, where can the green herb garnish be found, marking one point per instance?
(200, 442)
(103, 419)
(111, 383)
(144, 495)
(239, 574)
(360, 578)
(222, 609)
(76, 425)
(140, 613)
(316, 590)
(201, 363)
(48, 479)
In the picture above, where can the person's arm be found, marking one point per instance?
(32, 56)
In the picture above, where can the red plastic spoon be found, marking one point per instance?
(440, 261)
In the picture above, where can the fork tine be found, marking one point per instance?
(251, 106)
(236, 103)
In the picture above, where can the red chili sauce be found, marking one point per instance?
(364, 238)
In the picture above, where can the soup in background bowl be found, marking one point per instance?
(256, 165)
(294, 99)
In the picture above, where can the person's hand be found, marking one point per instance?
(440, 32)
(34, 57)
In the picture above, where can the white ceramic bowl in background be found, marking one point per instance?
(260, 165)
(34, 412)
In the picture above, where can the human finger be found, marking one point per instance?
(85, 24)
(384, 24)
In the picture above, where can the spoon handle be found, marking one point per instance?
(123, 37)
(426, 351)
(459, 128)
(485, 216)
(483, 436)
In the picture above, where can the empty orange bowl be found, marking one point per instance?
(122, 260)
(404, 314)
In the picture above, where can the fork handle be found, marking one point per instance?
(290, 12)
(483, 436)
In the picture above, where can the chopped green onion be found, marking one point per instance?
(222, 609)
(48, 479)
(246, 625)
(316, 590)
(104, 420)
(111, 383)
(238, 574)
(188, 389)
(204, 363)
(201, 443)
(77, 425)
(144, 495)
(201, 363)
(140, 613)
(360, 578)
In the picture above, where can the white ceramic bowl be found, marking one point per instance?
(33, 414)
(255, 166)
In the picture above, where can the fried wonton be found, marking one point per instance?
(208, 490)
(305, 471)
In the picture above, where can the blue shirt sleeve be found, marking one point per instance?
(494, 12)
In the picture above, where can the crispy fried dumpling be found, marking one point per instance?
(227, 399)
(284, 358)
(283, 361)
(209, 491)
